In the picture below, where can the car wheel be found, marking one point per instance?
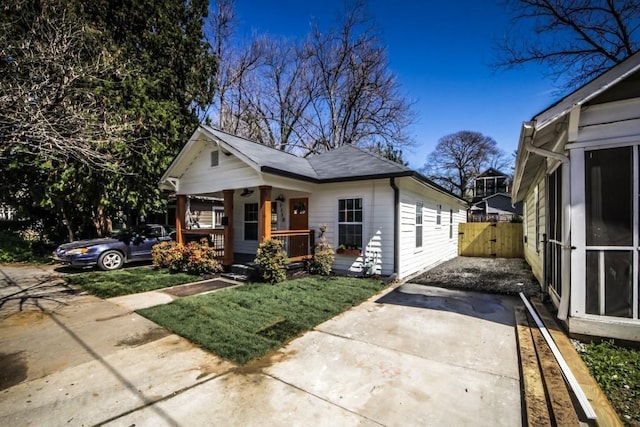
(110, 260)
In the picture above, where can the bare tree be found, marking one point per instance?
(461, 156)
(278, 106)
(333, 88)
(49, 67)
(357, 99)
(236, 63)
(576, 39)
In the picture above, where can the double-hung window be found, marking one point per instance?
(438, 214)
(419, 206)
(250, 221)
(350, 223)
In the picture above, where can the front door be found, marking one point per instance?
(299, 220)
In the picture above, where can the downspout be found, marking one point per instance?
(396, 226)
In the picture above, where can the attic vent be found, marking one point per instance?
(214, 158)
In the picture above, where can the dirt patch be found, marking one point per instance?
(508, 276)
(198, 288)
(14, 369)
(149, 336)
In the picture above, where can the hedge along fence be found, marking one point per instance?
(490, 239)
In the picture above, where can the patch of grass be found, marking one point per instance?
(617, 371)
(108, 284)
(244, 323)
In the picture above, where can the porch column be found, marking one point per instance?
(227, 259)
(264, 217)
(181, 209)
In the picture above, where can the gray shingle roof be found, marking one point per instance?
(349, 162)
(343, 163)
(346, 163)
(264, 156)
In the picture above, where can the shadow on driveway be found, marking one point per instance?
(492, 307)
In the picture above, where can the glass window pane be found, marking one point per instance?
(618, 283)
(251, 231)
(418, 236)
(592, 302)
(609, 192)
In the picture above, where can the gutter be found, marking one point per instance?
(396, 226)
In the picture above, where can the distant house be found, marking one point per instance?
(495, 208)
(381, 217)
(577, 171)
(488, 183)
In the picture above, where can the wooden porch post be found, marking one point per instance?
(181, 209)
(227, 259)
(264, 217)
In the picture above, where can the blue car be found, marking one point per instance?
(112, 253)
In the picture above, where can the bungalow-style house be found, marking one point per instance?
(577, 171)
(381, 217)
(495, 208)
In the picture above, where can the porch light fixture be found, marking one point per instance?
(280, 198)
(246, 192)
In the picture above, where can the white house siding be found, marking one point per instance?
(602, 126)
(533, 254)
(437, 246)
(202, 178)
(612, 123)
(377, 227)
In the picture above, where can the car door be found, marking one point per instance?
(143, 242)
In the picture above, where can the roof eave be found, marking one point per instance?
(526, 132)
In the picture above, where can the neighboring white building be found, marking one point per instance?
(379, 215)
(577, 171)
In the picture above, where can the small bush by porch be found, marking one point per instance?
(244, 323)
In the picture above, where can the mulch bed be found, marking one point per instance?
(198, 288)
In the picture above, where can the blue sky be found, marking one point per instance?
(441, 53)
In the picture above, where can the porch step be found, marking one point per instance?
(295, 268)
(242, 272)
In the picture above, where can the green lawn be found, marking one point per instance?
(244, 323)
(107, 284)
(617, 371)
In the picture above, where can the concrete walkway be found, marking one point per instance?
(413, 356)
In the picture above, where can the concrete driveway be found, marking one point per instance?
(415, 355)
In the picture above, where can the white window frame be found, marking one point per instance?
(245, 222)
(340, 222)
(419, 242)
(450, 224)
(214, 158)
(438, 215)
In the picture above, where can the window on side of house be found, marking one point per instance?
(250, 221)
(419, 206)
(536, 210)
(451, 223)
(217, 217)
(350, 223)
(438, 214)
(214, 158)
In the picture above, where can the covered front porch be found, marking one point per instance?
(249, 216)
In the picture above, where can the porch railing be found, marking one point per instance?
(214, 236)
(298, 244)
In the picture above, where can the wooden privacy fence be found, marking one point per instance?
(490, 239)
